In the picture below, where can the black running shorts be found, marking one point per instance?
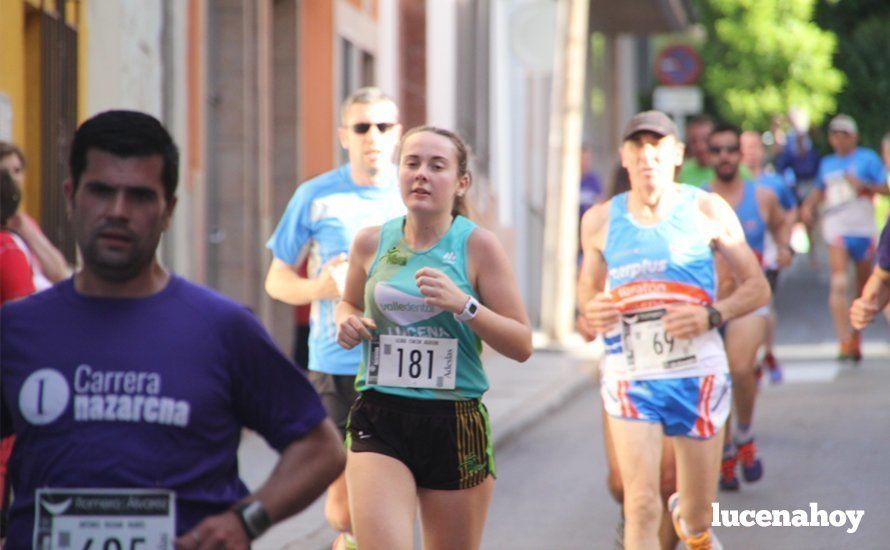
(445, 444)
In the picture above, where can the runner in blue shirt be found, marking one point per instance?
(321, 221)
(753, 157)
(128, 387)
(759, 212)
(649, 255)
(846, 185)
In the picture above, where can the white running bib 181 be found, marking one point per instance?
(412, 362)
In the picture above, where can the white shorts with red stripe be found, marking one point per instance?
(695, 406)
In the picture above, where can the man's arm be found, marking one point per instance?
(875, 297)
(303, 472)
(752, 290)
(808, 208)
(779, 226)
(284, 284)
(591, 278)
(597, 309)
(52, 262)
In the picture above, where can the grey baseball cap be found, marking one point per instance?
(843, 123)
(650, 121)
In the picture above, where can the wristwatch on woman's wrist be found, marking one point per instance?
(471, 308)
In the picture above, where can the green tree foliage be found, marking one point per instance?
(764, 56)
(863, 30)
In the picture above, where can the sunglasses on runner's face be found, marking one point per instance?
(364, 127)
(717, 149)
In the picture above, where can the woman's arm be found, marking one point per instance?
(502, 321)
(351, 326)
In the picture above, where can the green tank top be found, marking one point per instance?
(414, 339)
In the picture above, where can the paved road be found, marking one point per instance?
(822, 433)
(823, 438)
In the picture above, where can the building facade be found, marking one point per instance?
(251, 90)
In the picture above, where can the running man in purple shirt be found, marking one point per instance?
(128, 387)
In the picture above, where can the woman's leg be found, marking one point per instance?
(382, 501)
(455, 519)
(638, 448)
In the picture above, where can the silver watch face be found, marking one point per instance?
(255, 516)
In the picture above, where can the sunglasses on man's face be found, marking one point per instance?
(364, 127)
(717, 149)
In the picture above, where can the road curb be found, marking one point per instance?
(534, 408)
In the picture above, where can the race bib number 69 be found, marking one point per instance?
(412, 362)
(649, 347)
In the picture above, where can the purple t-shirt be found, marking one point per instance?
(142, 393)
(884, 248)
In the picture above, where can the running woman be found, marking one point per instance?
(423, 292)
(651, 255)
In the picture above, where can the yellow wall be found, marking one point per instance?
(20, 80)
(12, 62)
(32, 119)
(82, 66)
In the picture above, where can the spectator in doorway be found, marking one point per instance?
(47, 263)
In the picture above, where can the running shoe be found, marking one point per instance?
(703, 541)
(728, 480)
(344, 541)
(773, 368)
(850, 351)
(752, 468)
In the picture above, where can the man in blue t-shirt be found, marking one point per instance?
(128, 387)
(321, 221)
(846, 185)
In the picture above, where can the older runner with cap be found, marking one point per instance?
(846, 184)
(650, 253)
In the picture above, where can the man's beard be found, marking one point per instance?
(117, 268)
(726, 177)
